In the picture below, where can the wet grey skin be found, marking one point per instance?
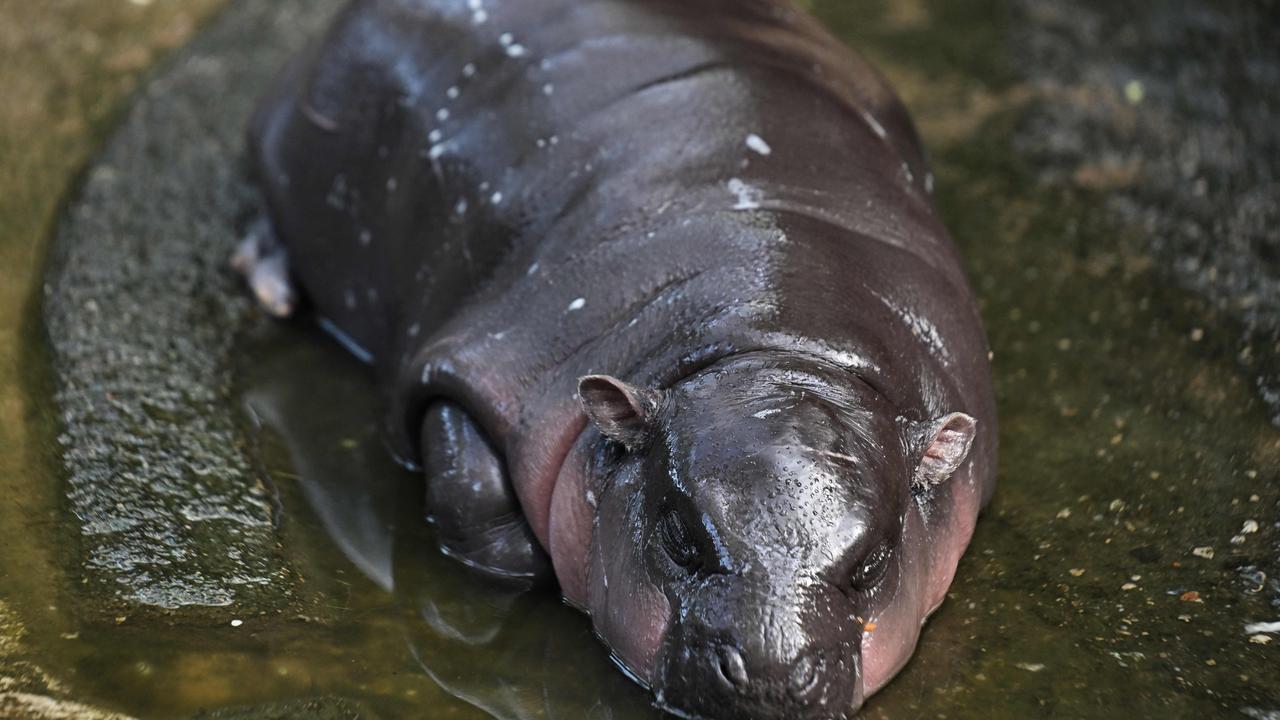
(655, 294)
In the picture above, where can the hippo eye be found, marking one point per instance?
(677, 541)
(873, 568)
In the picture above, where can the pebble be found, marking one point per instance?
(1134, 92)
(1205, 552)
(1262, 627)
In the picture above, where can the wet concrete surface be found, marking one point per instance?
(143, 314)
(1133, 540)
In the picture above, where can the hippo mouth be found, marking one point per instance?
(714, 679)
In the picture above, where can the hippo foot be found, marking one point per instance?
(261, 259)
(471, 502)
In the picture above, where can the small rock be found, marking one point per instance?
(1250, 526)
(1134, 92)
(1260, 639)
(1030, 667)
(1076, 572)
(1129, 586)
(1203, 551)
(1064, 513)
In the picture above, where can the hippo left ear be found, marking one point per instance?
(622, 411)
(941, 447)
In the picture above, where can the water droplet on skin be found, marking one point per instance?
(577, 304)
(435, 136)
(758, 145)
(442, 114)
(875, 125)
(548, 89)
(532, 269)
(461, 208)
(516, 51)
(453, 92)
(469, 70)
(497, 198)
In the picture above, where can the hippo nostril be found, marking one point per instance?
(732, 668)
(805, 675)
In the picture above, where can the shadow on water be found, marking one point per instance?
(508, 653)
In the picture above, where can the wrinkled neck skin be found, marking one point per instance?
(601, 540)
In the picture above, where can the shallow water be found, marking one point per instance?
(1130, 437)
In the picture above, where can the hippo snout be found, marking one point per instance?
(717, 679)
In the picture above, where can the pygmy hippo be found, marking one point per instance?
(657, 297)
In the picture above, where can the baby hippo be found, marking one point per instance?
(656, 296)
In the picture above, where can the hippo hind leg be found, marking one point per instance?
(261, 259)
(477, 516)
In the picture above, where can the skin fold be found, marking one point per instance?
(655, 293)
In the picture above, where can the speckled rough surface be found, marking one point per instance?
(1170, 110)
(142, 314)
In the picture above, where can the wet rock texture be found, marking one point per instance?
(142, 315)
(1172, 111)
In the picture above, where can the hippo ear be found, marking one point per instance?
(942, 446)
(622, 411)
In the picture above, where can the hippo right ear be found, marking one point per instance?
(941, 447)
(620, 410)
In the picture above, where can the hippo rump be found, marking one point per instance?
(656, 296)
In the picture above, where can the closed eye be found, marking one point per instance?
(678, 541)
(873, 568)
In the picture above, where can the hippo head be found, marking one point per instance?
(762, 535)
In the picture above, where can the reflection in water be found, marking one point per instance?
(508, 653)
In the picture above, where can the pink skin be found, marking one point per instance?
(537, 462)
(571, 525)
(887, 648)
